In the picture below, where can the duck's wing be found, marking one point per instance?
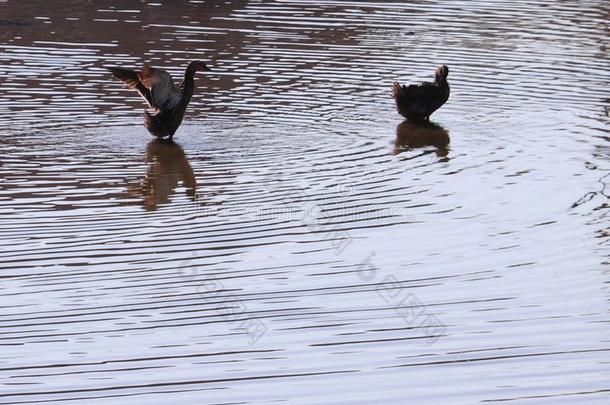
(414, 91)
(163, 92)
(130, 78)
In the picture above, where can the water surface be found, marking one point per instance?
(299, 243)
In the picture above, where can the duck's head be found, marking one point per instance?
(198, 66)
(442, 71)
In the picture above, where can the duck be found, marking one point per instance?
(157, 88)
(418, 101)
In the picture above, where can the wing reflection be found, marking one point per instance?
(167, 168)
(410, 135)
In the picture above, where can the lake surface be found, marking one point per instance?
(299, 244)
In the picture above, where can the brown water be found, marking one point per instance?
(299, 244)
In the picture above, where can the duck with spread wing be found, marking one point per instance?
(161, 94)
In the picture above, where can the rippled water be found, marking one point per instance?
(300, 244)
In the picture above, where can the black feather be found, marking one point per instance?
(418, 101)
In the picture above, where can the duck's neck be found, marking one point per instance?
(441, 82)
(189, 84)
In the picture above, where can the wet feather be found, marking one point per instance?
(417, 102)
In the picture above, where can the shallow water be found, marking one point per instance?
(300, 244)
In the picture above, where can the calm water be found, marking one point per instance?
(299, 244)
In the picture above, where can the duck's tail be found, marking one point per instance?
(396, 90)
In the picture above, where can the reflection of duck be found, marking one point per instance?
(411, 135)
(160, 93)
(168, 167)
(417, 101)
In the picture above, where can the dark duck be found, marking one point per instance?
(418, 101)
(161, 94)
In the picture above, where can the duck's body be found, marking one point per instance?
(418, 101)
(161, 94)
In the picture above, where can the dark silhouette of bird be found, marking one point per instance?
(418, 101)
(161, 94)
